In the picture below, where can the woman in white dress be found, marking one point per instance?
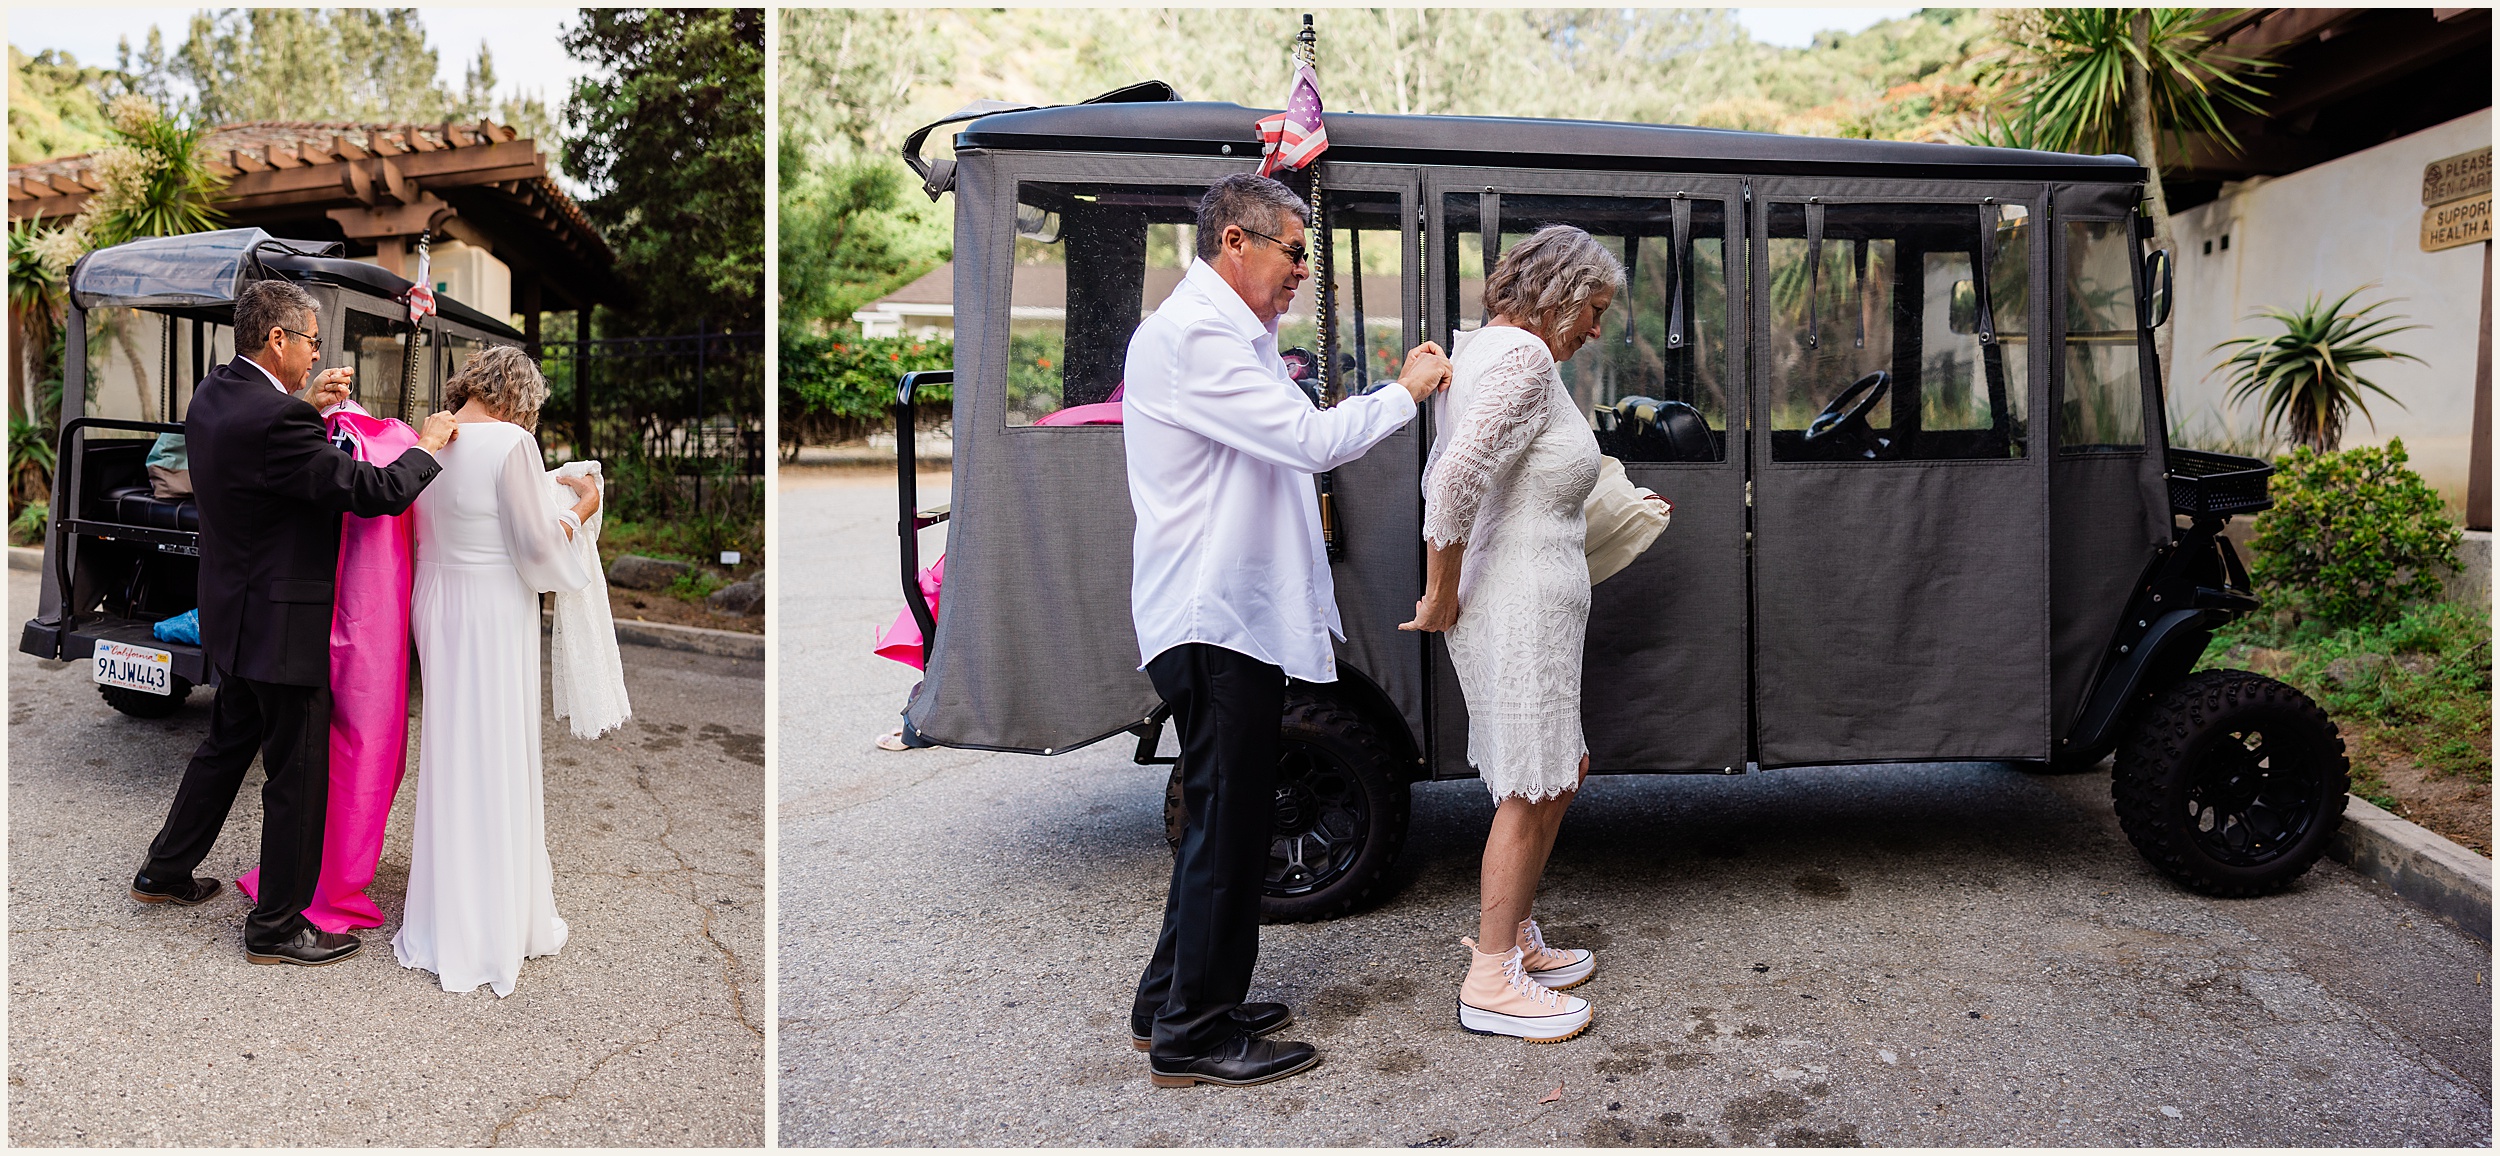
(1507, 578)
(481, 890)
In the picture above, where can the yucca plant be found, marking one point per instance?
(2305, 378)
(156, 178)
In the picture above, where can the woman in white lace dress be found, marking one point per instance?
(481, 890)
(1508, 579)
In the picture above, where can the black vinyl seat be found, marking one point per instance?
(139, 506)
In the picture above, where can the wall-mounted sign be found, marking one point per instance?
(2457, 223)
(2456, 178)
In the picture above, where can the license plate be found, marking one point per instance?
(136, 667)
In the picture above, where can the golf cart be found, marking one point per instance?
(1902, 396)
(117, 558)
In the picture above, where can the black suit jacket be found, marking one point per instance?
(270, 488)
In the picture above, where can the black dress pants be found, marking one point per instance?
(290, 727)
(1228, 708)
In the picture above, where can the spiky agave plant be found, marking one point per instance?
(2305, 378)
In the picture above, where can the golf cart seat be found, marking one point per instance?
(139, 506)
(1643, 429)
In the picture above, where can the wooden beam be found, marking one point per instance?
(346, 150)
(407, 220)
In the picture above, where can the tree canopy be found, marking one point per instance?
(670, 141)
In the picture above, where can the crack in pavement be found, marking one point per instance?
(496, 1139)
(730, 959)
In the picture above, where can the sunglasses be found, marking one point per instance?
(316, 342)
(1298, 254)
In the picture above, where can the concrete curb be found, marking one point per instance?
(668, 636)
(2449, 880)
(26, 558)
(704, 640)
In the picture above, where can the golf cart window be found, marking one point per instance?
(2101, 399)
(1366, 316)
(1654, 382)
(1091, 262)
(1880, 347)
(377, 347)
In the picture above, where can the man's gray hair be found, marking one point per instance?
(266, 305)
(1256, 203)
(1543, 281)
(506, 378)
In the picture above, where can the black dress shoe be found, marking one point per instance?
(1236, 1062)
(183, 892)
(309, 947)
(1250, 1019)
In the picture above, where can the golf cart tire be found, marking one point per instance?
(141, 704)
(1334, 740)
(2170, 755)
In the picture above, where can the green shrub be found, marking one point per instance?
(840, 386)
(2353, 538)
(27, 528)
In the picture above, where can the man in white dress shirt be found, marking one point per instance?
(1232, 595)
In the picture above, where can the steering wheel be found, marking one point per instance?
(1844, 424)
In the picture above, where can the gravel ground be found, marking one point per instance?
(1907, 955)
(134, 1025)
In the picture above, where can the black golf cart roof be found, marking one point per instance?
(1206, 128)
(198, 274)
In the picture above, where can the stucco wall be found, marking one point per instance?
(2330, 229)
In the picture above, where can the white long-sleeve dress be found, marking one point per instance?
(1509, 476)
(481, 890)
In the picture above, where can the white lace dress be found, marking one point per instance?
(1508, 476)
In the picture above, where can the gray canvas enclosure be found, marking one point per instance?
(1936, 577)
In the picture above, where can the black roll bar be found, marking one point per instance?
(907, 488)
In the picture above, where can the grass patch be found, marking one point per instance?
(2417, 689)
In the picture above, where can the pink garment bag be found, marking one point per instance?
(368, 689)
(901, 641)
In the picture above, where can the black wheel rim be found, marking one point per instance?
(1322, 818)
(2251, 798)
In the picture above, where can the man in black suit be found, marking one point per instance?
(270, 488)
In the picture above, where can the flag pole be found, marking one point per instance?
(1324, 302)
(410, 377)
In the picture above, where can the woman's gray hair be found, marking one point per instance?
(1256, 203)
(1543, 281)
(504, 377)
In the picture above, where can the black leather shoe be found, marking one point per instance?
(310, 947)
(1237, 1062)
(183, 892)
(1250, 1019)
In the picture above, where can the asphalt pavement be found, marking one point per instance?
(137, 1025)
(1904, 955)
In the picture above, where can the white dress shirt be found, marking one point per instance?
(264, 372)
(1221, 449)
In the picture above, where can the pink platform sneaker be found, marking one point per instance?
(1498, 999)
(1558, 968)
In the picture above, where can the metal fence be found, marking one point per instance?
(689, 405)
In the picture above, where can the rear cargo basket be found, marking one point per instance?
(2211, 484)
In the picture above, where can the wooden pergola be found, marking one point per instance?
(378, 188)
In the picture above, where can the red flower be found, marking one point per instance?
(1041, 363)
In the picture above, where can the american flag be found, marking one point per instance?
(1295, 137)
(421, 294)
